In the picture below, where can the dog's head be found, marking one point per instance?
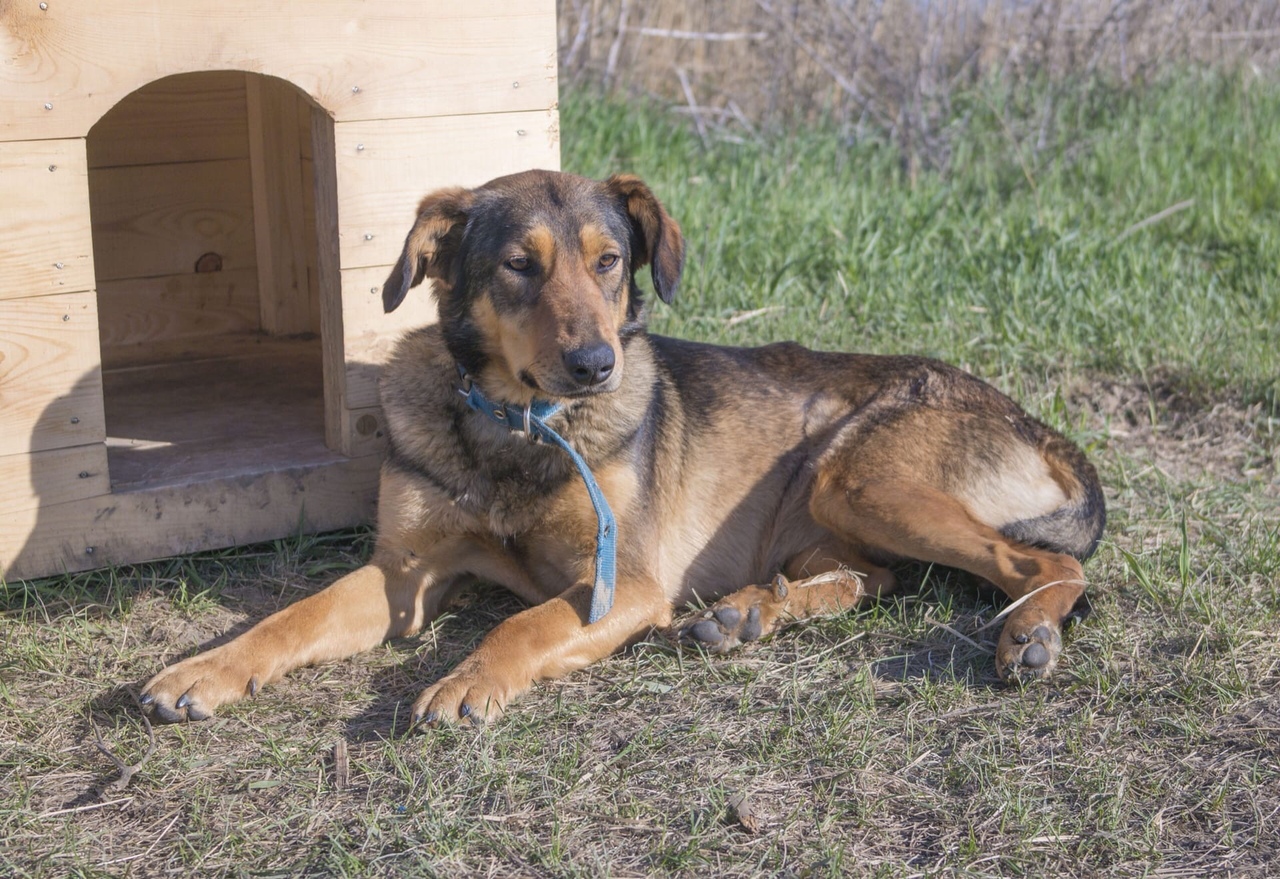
(535, 277)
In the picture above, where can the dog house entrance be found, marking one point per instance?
(204, 224)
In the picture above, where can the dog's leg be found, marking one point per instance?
(546, 641)
(921, 522)
(384, 599)
(827, 578)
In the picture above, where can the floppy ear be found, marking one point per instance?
(432, 244)
(657, 236)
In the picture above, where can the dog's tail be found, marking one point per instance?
(1076, 527)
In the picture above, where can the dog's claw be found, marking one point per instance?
(146, 699)
(183, 701)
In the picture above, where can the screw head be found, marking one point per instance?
(48, 106)
(66, 317)
(44, 6)
(368, 236)
(53, 168)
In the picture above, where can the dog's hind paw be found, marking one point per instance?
(747, 615)
(1028, 649)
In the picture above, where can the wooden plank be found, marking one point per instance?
(329, 282)
(385, 167)
(370, 335)
(140, 311)
(136, 526)
(151, 220)
(239, 409)
(46, 245)
(196, 117)
(366, 432)
(55, 476)
(63, 67)
(279, 208)
(50, 378)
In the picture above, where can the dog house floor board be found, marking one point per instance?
(213, 409)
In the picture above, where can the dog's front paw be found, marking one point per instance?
(194, 688)
(1029, 647)
(747, 615)
(466, 696)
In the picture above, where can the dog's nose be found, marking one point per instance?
(591, 364)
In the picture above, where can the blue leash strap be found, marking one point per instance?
(531, 420)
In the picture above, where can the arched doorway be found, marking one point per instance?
(206, 251)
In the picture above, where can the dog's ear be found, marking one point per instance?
(431, 245)
(657, 237)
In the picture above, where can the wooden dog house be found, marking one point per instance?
(198, 205)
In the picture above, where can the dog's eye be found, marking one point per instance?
(518, 263)
(608, 261)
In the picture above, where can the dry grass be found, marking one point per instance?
(878, 743)
(893, 65)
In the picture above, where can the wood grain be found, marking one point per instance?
(151, 220)
(55, 476)
(358, 60)
(50, 376)
(279, 206)
(194, 117)
(139, 311)
(46, 245)
(239, 408)
(385, 167)
(370, 335)
(140, 525)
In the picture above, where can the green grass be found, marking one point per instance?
(1015, 264)
(877, 743)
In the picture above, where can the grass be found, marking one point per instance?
(877, 743)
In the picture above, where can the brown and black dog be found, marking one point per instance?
(775, 482)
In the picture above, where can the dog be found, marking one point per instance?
(541, 439)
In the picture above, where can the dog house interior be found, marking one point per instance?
(203, 216)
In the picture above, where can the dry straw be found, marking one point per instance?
(891, 64)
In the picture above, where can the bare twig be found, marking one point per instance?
(611, 65)
(1153, 219)
(341, 765)
(126, 771)
(961, 635)
(753, 313)
(702, 36)
(1014, 605)
(693, 106)
(579, 37)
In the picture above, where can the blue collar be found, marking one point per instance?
(531, 420)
